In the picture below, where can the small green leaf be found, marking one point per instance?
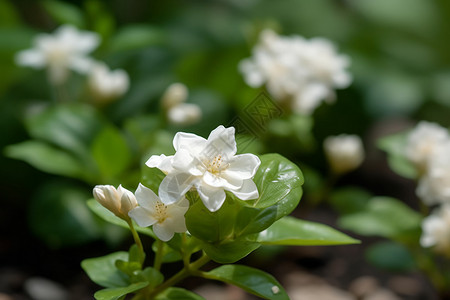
(391, 256)
(349, 199)
(169, 254)
(290, 231)
(383, 216)
(229, 251)
(111, 152)
(151, 178)
(252, 280)
(108, 216)
(46, 158)
(394, 145)
(103, 270)
(150, 275)
(64, 13)
(175, 293)
(118, 292)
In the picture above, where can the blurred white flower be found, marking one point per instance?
(178, 112)
(344, 152)
(303, 72)
(423, 141)
(434, 185)
(106, 84)
(165, 218)
(66, 49)
(119, 201)
(436, 230)
(210, 165)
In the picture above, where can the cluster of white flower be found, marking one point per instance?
(178, 111)
(302, 72)
(428, 148)
(344, 152)
(67, 49)
(210, 165)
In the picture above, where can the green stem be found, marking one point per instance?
(187, 271)
(136, 237)
(185, 255)
(159, 254)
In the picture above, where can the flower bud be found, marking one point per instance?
(106, 85)
(436, 230)
(344, 152)
(119, 201)
(184, 114)
(174, 95)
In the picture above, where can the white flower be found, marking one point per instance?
(344, 152)
(65, 49)
(434, 185)
(423, 141)
(165, 218)
(119, 201)
(179, 112)
(436, 230)
(210, 165)
(106, 84)
(303, 72)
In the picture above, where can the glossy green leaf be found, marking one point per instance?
(46, 158)
(103, 270)
(279, 182)
(349, 199)
(383, 216)
(64, 13)
(111, 152)
(290, 231)
(175, 293)
(118, 292)
(390, 256)
(252, 280)
(394, 145)
(229, 251)
(151, 178)
(108, 216)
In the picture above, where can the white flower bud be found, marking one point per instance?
(436, 230)
(344, 152)
(174, 95)
(107, 85)
(184, 114)
(119, 201)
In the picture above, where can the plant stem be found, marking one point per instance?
(159, 254)
(187, 271)
(136, 237)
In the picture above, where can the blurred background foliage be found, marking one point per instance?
(400, 63)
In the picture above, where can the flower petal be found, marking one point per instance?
(174, 186)
(213, 198)
(142, 216)
(228, 183)
(243, 166)
(146, 197)
(189, 141)
(163, 232)
(162, 162)
(31, 58)
(184, 161)
(247, 191)
(222, 141)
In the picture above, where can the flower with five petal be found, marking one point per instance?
(210, 165)
(165, 218)
(66, 49)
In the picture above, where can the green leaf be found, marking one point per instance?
(252, 280)
(394, 145)
(151, 178)
(58, 214)
(108, 216)
(290, 231)
(150, 275)
(391, 256)
(279, 183)
(134, 37)
(229, 251)
(169, 254)
(383, 216)
(46, 158)
(103, 270)
(64, 13)
(118, 292)
(111, 152)
(349, 200)
(174, 293)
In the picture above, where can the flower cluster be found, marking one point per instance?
(178, 111)
(344, 152)
(210, 165)
(428, 148)
(300, 71)
(68, 49)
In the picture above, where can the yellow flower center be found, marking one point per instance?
(161, 212)
(216, 165)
